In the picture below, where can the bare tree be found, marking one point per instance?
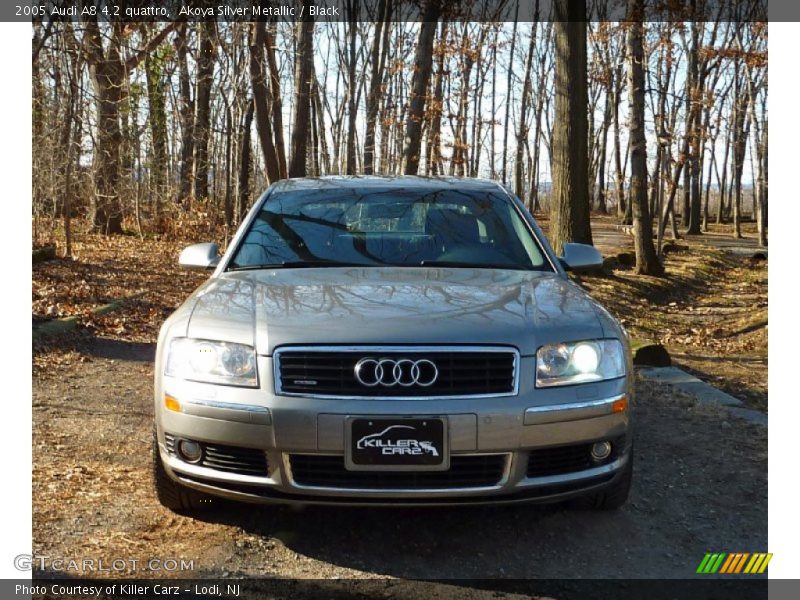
(351, 9)
(647, 262)
(277, 103)
(108, 68)
(202, 124)
(433, 154)
(302, 86)
(186, 110)
(245, 162)
(509, 89)
(154, 67)
(380, 48)
(522, 127)
(150, 121)
(570, 203)
(261, 101)
(423, 59)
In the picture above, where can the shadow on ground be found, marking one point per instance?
(119, 350)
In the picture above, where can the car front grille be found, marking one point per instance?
(325, 471)
(332, 372)
(231, 459)
(560, 460)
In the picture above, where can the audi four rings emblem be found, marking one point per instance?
(389, 372)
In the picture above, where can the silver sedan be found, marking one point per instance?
(369, 340)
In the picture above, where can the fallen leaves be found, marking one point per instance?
(105, 270)
(710, 311)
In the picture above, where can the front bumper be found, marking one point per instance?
(510, 433)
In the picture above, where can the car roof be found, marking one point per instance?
(365, 182)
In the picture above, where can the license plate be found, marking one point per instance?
(399, 444)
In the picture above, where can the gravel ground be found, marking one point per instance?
(700, 485)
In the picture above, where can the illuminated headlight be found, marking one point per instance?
(212, 362)
(579, 362)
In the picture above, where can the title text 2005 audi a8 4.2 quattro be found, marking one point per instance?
(405, 340)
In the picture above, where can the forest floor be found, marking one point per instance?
(709, 311)
(695, 467)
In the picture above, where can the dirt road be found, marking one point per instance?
(700, 485)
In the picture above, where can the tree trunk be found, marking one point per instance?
(277, 103)
(186, 171)
(620, 179)
(458, 163)
(522, 128)
(537, 134)
(492, 131)
(322, 141)
(352, 26)
(313, 153)
(669, 207)
(228, 203)
(740, 134)
(202, 124)
(687, 176)
(694, 101)
(509, 88)
(570, 204)
(434, 152)
(602, 206)
(245, 163)
(647, 262)
(70, 141)
(258, 77)
(380, 45)
(302, 85)
(108, 75)
(423, 59)
(158, 128)
(723, 183)
(762, 185)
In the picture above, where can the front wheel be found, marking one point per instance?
(611, 498)
(171, 494)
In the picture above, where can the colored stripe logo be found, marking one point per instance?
(734, 563)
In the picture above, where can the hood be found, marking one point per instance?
(386, 305)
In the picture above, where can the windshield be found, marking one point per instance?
(397, 227)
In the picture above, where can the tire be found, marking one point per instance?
(173, 495)
(611, 498)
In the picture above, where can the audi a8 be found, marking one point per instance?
(391, 341)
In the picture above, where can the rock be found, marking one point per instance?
(626, 259)
(670, 247)
(43, 254)
(610, 263)
(650, 355)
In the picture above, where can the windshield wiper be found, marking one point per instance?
(299, 264)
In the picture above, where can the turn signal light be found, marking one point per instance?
(172, 403)
(620, 405)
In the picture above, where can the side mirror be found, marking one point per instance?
(581, 257)
(200, 256)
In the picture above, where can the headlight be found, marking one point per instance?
(212, 362)
(579, 362)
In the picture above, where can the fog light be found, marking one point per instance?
(190, 451)
(601, 450)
